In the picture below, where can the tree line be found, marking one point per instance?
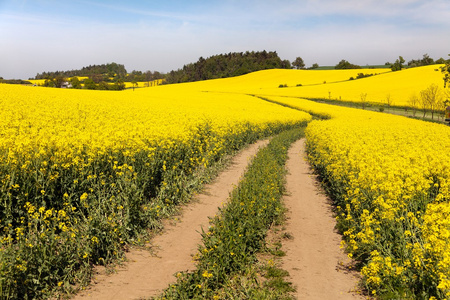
(89, 83)
(227, 65)
(398, 65)
(426, 60)
(111, 76)
(14, 81)
(108, 71)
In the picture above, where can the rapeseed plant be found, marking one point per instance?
(83, 173)
(389, 178)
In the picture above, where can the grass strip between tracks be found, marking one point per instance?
(227, 264)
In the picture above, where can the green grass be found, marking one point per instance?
(228, 265)
(111, 203)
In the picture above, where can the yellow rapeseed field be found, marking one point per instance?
(399, 85)
(37, 81)
(268, 81)
(141, 84)
(389, 177)
(42, 81)
(82, 172)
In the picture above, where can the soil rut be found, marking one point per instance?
(314, 260)
(316, 264)
(146, 275)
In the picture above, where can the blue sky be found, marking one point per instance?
(50, 35)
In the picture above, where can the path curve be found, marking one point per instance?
(314, 260)
(146, 275)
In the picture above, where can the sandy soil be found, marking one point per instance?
(318, 268)
(146, 275)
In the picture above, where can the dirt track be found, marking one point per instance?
(314, 260)
(146, 275)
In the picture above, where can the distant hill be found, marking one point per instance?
(217, 66)
(110, 70)
(14, 81)
(227, 65)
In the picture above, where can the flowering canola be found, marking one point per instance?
(389, 177)
(83, 172)
(335, 84)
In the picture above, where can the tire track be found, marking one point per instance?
(146, 275)
(314, 260)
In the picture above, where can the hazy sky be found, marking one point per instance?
(50, 35)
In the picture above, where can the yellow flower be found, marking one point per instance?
(206, 274)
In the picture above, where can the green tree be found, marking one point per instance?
(315, 66)
(103, 86)
(97, 78)
(343, 64)
(285, 64)
(227, 65)
(298, 63)
(57, 81)
(440, 61)
(60, 81)
(446, 71)
(48, 83)
(134, 83)
(398, 65)
(90, 84)
(119, 85)
(427, 60)
(75, 82)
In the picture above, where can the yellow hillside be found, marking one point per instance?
(88, 170)
(141, 84)
(270, 79)
(106, 120)
(399, 85)
(327, 84)
(37, 81)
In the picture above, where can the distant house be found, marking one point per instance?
(66, 85)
